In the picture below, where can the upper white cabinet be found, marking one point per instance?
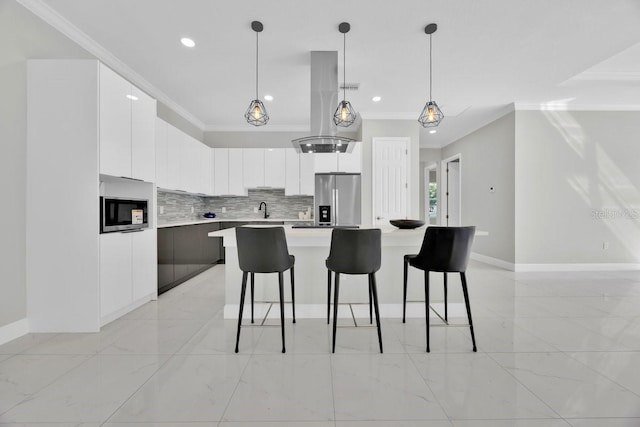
(236, 187)
(174, 148)
(325, 162)
(220, 171)
(307, 174)
(274, 167)
(351, 162)
(253, 167)
(299, 173)
(127, 128)
(339, 162)
(162, 154)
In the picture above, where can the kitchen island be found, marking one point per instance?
(311, 247)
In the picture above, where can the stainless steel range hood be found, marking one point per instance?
(324, 100)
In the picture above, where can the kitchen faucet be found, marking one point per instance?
(266, 215)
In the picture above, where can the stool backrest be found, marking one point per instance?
(446, 248)
(262, 250)
(355, 251)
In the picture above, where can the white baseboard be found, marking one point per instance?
(577, 267)
(493, 261)
(14, 330)
(118, 314)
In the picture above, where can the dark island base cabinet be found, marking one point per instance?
(184, 252)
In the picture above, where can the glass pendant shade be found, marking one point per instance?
(431, 115)
(256, 113)
(345, 115)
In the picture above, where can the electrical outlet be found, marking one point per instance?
(161, 209)
(224, 210)
(193, 209)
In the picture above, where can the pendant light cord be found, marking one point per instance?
(344, 66)
(257, 64)
(430, 70)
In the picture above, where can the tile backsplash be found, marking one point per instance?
(177, 207)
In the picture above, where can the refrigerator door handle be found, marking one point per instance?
(334, 213)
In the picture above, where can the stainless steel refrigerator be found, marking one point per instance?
(338, 199)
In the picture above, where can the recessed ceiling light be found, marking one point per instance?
(376, 99)
(308, 145)
(268, 98)
(433, 131)
(187, 42)
(133, 98)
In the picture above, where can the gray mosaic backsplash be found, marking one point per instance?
(177, 207)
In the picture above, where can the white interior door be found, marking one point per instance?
(390, 185)
(452, 193)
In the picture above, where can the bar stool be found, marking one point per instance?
(264, 250)
(354, 251)
(445, 250)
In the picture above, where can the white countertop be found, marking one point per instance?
(299, 237)
(210, 220)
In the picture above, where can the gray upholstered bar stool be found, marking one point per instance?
(264, 250)
(354, 251)
(445, 250)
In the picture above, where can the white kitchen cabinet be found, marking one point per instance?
(143, 123)
(307, 174)
(253, 167)
(115, 272)
(206, 168)
(220, 171)
(162, 154)
(351, 162)
(144, 275)
(189, 164)
(325, 162)
(174, 148)
(292, 172)
(236, 186)
(274, 167)
(127, 128)
(115, 123)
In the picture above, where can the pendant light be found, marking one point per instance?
(256, 113)
(431, 115)
(345, 115)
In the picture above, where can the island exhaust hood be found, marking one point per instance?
(324, 98)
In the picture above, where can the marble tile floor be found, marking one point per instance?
(554, 350)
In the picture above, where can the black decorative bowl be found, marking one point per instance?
(407, 223)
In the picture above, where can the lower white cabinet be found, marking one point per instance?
(128, 271)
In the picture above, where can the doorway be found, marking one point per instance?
(431, 194)
(390, 183)
(451, 185)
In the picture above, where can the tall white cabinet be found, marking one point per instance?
(81, 124)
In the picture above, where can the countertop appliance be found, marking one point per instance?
(118, 214)
(338, 199)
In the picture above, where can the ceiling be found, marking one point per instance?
(487, 55)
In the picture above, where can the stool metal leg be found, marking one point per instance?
(404, 291)
(281, 287)
(374, 291)
(335, 309)
(426, 303)
(463, 277)
(242, 292)
(446, 313)
(253, 278)
(328, 295)
(370, 307)
(293, 294)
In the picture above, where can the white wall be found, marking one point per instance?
(22, 36)
(487, 160)
(390, 128)
(568, 165)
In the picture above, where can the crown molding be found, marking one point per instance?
(249, 128)
(609, 76)
(557, 106)
(60, 23)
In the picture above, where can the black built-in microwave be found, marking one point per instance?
(117, 214)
